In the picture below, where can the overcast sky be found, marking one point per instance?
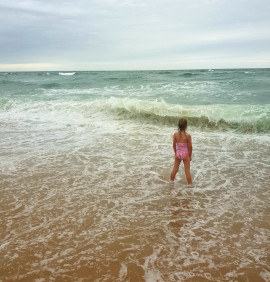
(133, 34)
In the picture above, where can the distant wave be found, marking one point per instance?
(67, 73)
(5, 73)
(240, 118)
(50, 85)
(165, 72)
(188, 74)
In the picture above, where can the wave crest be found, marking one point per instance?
(240, 118)
(67, 73)
(237, 118)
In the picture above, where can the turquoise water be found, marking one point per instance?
(237, 99)
(195, 87)
(85, 163)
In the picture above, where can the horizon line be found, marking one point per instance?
(133, 70)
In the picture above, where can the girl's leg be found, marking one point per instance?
(175, 168)
(187, 169)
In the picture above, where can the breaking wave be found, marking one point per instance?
(240, 118)
(67, 73)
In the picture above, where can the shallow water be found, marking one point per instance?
(85, 196)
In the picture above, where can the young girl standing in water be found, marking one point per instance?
(182, 147)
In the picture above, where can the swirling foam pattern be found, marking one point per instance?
(85, 196)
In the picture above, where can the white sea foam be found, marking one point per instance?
(88, 193)
(67, 73)
(241, 118)
(123, 272)
(245, 117)
(101, 192)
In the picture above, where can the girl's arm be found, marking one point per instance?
(189, 146)
(174, 143)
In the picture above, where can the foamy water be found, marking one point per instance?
(85, 194)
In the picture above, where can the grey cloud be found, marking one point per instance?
(78, 32)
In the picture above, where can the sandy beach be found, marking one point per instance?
(85, 192)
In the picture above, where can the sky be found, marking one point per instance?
(40, 35)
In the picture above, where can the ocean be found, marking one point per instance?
(85, 161)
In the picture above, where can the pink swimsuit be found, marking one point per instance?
(181, 150)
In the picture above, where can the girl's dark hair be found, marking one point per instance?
(182, 124)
